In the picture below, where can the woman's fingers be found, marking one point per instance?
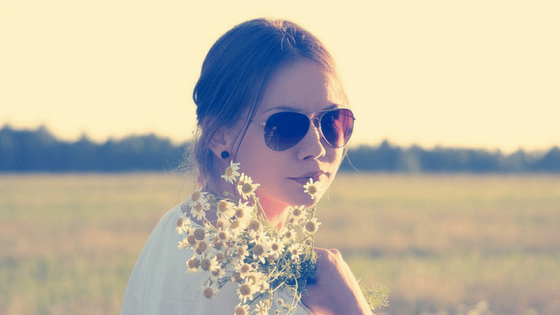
(336, 290)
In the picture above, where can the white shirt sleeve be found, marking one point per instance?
(159, 283)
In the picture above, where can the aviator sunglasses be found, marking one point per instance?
(284, 130)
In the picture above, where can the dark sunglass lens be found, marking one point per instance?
(337, 126)
(285, 129)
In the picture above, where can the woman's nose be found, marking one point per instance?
(312, 146)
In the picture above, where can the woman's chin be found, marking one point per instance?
(303, 200)
(295, 199)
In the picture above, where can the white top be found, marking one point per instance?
(159, 283)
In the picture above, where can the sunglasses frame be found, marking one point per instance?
(317, 118)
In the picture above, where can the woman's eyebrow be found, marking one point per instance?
(295, 109)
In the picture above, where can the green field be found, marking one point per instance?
(69, 242)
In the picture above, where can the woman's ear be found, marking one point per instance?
(221, 141)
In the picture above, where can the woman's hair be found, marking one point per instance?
(236, 72)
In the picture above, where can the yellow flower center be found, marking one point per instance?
(241, 251)
(240, 311)
(275, 247)
(193, 263)
(191, 239)
(258, 250)
(239, 213)
(202, 246)
(205, 264)
(180, 222)
(229, 171)
(195, 196)
(222, 206)
(199, 234)
(220, 225)
(222, 235)
(235, 224)
(255, 225)
(245, 268)
(245, 289)
(310, 226)
(312, 190)
(208, 293)
(246, 188)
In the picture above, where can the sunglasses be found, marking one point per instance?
(284, 130)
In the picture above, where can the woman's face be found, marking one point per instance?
(301, 86)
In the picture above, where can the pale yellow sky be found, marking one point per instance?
(454, 73)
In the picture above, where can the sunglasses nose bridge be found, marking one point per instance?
(316, 121)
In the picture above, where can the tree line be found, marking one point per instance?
(39, 151)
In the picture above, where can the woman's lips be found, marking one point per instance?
(305, 178)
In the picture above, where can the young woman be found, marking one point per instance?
(268, 98)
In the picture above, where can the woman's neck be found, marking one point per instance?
(275, 210)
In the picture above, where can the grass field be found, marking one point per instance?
(69, 242)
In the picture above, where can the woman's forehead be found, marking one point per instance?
(303, 86)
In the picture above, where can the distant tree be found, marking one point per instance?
(39, 151)
(365, 158)
(550, 162)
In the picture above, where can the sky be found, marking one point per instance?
(478, 74)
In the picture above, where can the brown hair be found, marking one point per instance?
(235, 74)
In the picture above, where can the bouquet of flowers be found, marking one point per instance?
(241, 246)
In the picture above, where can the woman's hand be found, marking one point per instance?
(336, 290)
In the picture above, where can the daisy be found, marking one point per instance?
(183, 225)
(199, 234)
(262, 308)
(242, 211)
(209, 290)
(222, 236)
(246, 187)
(193, 264)
(209, 264)
(241, 252)
(260, 250)
(231, 173)
(225, 209)
(217, 273)
(294, 251)
(222, 224)
(244, 270)
(202, 247)
(197, 197)
(260, 281)
(276, 247)
(255, 236)
(237, 226)
(255, 225)
(246, 291)
(198, 210)
(311, 188)
(311, 226)
(184, 244)
(241, 309)
(287, 233)
(297, 213)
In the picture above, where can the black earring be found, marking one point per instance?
(225, 154)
